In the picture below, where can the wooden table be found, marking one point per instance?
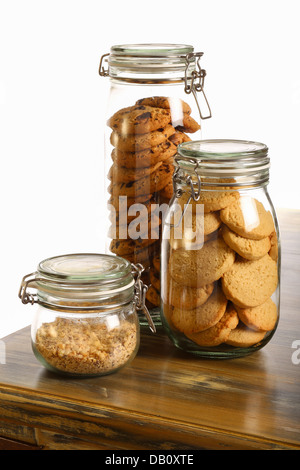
(166, 399)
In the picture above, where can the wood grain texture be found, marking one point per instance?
(166, 399)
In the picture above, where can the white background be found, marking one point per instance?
(52, 105)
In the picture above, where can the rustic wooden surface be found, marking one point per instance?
(165, 399)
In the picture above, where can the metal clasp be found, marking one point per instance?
(140, 294)
(102, 71)
(194, 194)
(25, 296)
(194, 86)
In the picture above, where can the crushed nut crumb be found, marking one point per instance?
(86, 346)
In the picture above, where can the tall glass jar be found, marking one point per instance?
(86, 321)
(153, 105)
(220, 267)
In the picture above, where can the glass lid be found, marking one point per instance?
(222, 149)
(150, 50)
(85, 267)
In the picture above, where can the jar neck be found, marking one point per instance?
(85, 301)
(185, 179)
(148, 76)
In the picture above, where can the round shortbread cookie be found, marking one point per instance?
(165, 103)
(198, 268)
(248, 217)
(207, 224)
(138, 142)
(218, 333)
(139, 119)
(217, 200)
(260, 318)
(144, 158)
(203, 317)
(188, 298)
(274, 246)
(243, 337)
(245, 247)
(214, 198)
(250, 283)
(194, 228)
(212, 222)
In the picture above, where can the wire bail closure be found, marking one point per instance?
(25, 296)
(194, 193)
(140, 294)
(102, 71)
(196, 86)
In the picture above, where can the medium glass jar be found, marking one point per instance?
(220, 267)
(86, 322)
(153, 105)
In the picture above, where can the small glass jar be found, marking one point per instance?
(220, 266)
(86, 322)
(153, 105)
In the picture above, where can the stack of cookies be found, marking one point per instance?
(220, 293)
(145, 138)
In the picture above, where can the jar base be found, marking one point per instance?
(66, 373)
(219, 354)
(222, 351)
